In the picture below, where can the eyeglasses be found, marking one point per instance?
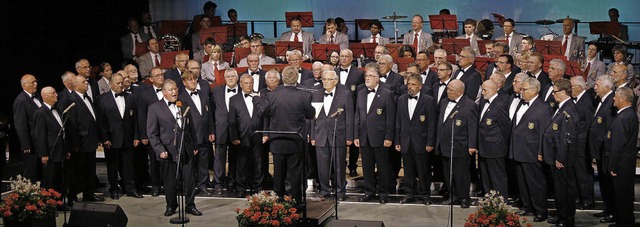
(443, 69)
(525, 89)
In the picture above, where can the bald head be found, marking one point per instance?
(455, 89)
(29, 83)
(498, 79)
(489, 89)
(49, 95)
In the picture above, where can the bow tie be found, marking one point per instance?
(128, 90)
(33, 96)
(371, 90)
(524, 103)
(328, 94)
(424, 73)
(255, 73)
(117, 95)
(318, 81)
(383, 76)
(344, 70)
(413, 97)
(299, 70)
(487, 101)
(247, 95)
(158, 90)
(442, 84)
(89, 98)
(453, 101)
(517, 96)
(231, 90)
(172, 103)
(462, 71)
(193, 93)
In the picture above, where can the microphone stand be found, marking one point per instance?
(181, 219)
(451, 174)
(64, 187)
(334, 162)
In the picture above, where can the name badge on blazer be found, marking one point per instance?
(379, 111)
(423, 118)
(531, 125)
(489, 121)
(353, 87)
(130, 112)
(599, 120)
(608, 134)
(458, 122)
(554, 127)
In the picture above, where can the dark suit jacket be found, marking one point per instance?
(395, 81)
(599, 125)
(261, 81)
(176, 76)
(46, 141)
(220, 113)
(286, 109)
(202, 122)
(526, 137)
(120, 130)
(557, 135)
(311, 83)
(585, 110)
(241, 124)
(82, 128)
(543, 78)
(379, 124)
(322, 127)
(145, 96)
(65, 98)
(494, 128)
(434, 90)
(472, 81)
(465, 131)
(354, 78)
(432, 78)
(420, 131)
(24, 109)
(620, 144)
(163, 134)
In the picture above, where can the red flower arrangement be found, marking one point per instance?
(29, 201)
(494, 212)
(264, 209)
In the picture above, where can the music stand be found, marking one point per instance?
(482, 63)
(241, 53)
(277, 67)
(482, 46)
(220, 77)
(306, 18)
(548, 58)
(573, 69)
(452, 59)
(403, 63)
(365, 49)
(236, 29)
(604, 28)
(227, 56)
(195, 26)
(169, 58)
(443, 22)
(283, 46)
(365, 24)
(548, 47)
(219, 34)
(141, 49)
(307, 65)
(454, 46)
(178, 27)
(321, 52)
(394, 50)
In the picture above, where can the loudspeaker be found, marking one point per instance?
(96, 214)
(356, 223)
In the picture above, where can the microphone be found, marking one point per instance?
(179, 105)
(566, 114)
(68, 108)
(186, 111)
(453, 114)
(338, 112)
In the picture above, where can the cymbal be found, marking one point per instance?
(562, 20)
(394, 17)
(545, 22)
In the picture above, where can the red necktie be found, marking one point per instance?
(373, 38)
(205, 58)
(331, 39)
(415, 41)
(157, 61)
(564, 44)
(469, 38)
(507, 40)
(295, 38)
(586, 71)
(215, 71)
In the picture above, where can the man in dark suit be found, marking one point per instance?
(535, 68)
(82, 129)
(530, 118)
(286, 109)
(24, 109)
(461, 112)
(559, 150)
(83, 68)
(202, 118)
(149, 94)
(66, 94)
(349, 76)
(166, 125)
(494, 131)
(392, 79)
(119, 137)
(620, 155)
(220, 103)
(468, 74)
(244, 120)
(255, 72)
(175, 73)
(429, 77)
(334, 99)
(600, 123)
(415, 137)
(316, 81)
(444, 77)
(49, 141)
(373, 133)
(295, 59)
(556, 72)
(584, 108)
(506, 67)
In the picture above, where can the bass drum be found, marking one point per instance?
(548, 37)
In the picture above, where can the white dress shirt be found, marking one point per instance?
(412, 103)
(371, 96)
(523, 109)
(88, 104)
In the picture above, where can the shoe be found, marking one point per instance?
(601, 214)
(155, 192)
(193, 211)
(115, 195)
(218, 191)
(588, 206)
(608, 219)
(169, 212)
(540, 218)
(342, 197)
(240, 194)
(384, 200)
(553, 220)
(427, 201)
(91, 198)
(135, 195)
(353, 173)
(407, 200)
(464, 203)
(205, 192)
(366, 198)
(524, 212)
(449, 202)
(100, 185)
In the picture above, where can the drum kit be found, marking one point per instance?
(551, 34)
(395, 18)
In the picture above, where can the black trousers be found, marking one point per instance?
(533, 187)
(327, 166)
(460, 182)
(376, 158)
(168, 169)
(141, 166)
(120, 161)
(565, 187)
(32, 168)
(287, 170)
(395, 160)
(52, 176)
(83, 172)
(220, 156)
(606, 188)
(154, 167)
(202, 167)
(623, 188)
(249, 174)
(493, 174)
(354, 154)
(416, 165)
(584, 180)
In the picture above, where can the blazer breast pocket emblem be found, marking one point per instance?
(489, 121)
(458, 122)
(379, 111)
(531, 125)
(353, 87)
(423, 118)
(130, 112)
(554, 127)
(599, 120)
(609, 135)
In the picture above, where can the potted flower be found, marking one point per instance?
(29, 205)
(267, 209)
(493, 211)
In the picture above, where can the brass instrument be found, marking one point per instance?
(170, 43)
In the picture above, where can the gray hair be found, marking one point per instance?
(579, 81)
(605, 81)
(440, 52)
(330, 73)
(273, 72)
(534, 83)
(80, 61)
(559, 63)
(626, 93)
(317, 64)
(386, 57)
(347, 51)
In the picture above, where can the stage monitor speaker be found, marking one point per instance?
(97, 215)
(356, 223)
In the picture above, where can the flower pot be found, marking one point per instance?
(49, 221)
